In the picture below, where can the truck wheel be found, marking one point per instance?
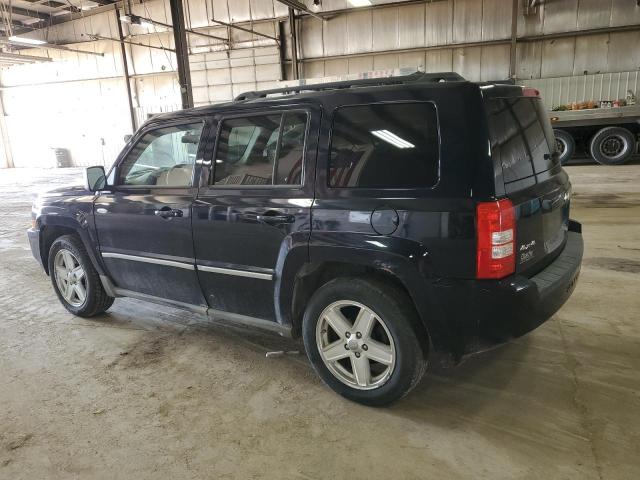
(74, 279)
(364, 340)
(565, 145)
(612, 145)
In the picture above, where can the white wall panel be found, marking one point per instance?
(591, 54)
(411, 26)
(314, 69)
(496, 19)
(220, 10)
(438, 60)
(360, 64)
(528, 59)
(385, 29)
(411, 60)
(560, 16)
(494, 62)
(385, 62)
(261, 9)
(467, 21)
(311, 38)
(338, 66)
(594, 14)
(624, 13)
(438, 23)
(466, 61)
(335, 33)
(557, 57)
(624, 53)
(359, 33)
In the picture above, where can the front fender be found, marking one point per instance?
(70, 214)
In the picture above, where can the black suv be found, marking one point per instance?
(384, 220)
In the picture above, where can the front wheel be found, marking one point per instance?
(75, 280)
(364, 340)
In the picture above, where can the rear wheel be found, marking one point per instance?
(565, 145)
(364, 340)
(75, 280)
(612, 145)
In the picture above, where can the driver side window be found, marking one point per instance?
(163, 157)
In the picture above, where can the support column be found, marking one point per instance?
(514, 39)
(6, 156)
(182, 52)
(294, 44)
(125, 70)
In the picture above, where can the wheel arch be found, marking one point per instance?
(356, 262)
(52, 229)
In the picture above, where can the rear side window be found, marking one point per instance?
(261, 150)
(521, 136)
(392, 145)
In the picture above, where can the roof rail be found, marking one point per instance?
(416, 77)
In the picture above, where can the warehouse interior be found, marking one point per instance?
(147, 390)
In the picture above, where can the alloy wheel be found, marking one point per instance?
(355, 345)
(70, 278)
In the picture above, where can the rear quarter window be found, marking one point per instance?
(521, 137)
(392, 145)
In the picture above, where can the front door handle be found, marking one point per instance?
(168, 212)
(275, 219)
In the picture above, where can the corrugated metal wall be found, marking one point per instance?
(49, 97)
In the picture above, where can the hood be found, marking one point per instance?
(66, 191)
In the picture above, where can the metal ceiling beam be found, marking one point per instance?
(166, 25)
(248, 30)
(93, 36)
(300, 6)
(25, 12)
(49, 46)
(14, 57)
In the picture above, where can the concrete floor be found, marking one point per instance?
(145, 391)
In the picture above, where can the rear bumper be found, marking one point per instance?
(34, 241)
(494, 312)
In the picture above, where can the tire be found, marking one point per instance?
(401, 342)
(72, 272)
(612, 146)
(565, 144)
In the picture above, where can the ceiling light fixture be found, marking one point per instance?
(360, 3)
(26, 41)
(392, 138)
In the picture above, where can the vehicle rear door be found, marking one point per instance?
(255, 211)
(144, 220)
(530, 175)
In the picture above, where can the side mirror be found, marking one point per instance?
(95, 178)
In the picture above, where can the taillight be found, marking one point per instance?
(496, 239)
(530, 92)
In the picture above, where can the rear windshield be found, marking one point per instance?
(521, 136)
(390, 145)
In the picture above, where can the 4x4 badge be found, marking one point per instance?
(526, 246)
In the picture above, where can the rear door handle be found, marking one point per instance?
(168, 212)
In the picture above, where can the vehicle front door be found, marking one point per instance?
(255, 212)
(144, 220)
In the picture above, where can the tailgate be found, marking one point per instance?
(523, 149)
